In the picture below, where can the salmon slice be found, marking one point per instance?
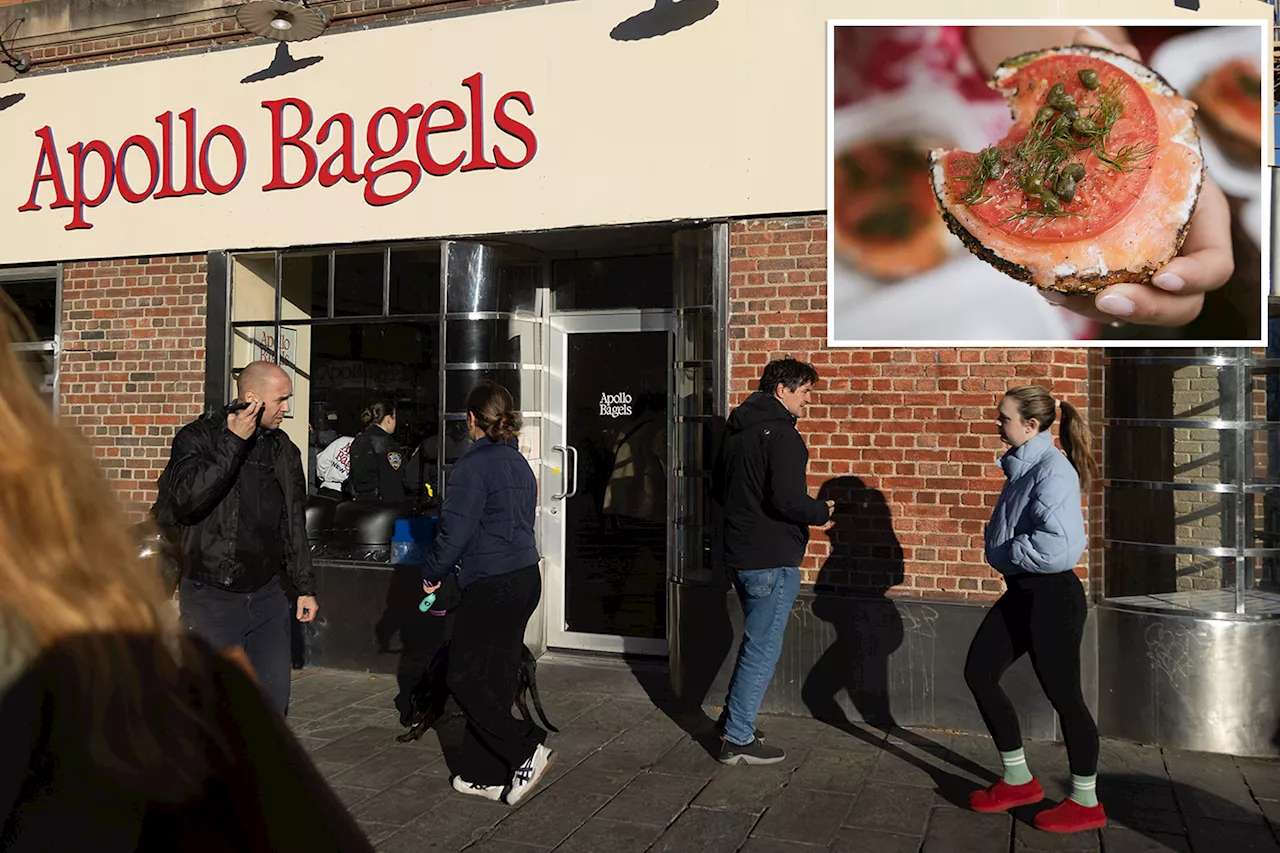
(1129, 147)
(1230, 99)
(883, 214)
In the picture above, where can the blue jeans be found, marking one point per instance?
(259, 621)
(766, 596)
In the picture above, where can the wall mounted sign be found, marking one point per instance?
(615, 405)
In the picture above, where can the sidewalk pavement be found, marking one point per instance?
(631, 773)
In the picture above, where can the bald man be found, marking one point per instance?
(235, 490)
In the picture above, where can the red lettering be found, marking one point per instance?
(425, 129)
(380, 152)
(346, 151)
(79, 153)
(279, 141)
(166, 146)
(153, 163)
(476, 84)
(514, 128)
(233, 136)
(48, 158)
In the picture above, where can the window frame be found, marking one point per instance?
(51, 345)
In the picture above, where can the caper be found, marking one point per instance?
(1072, 112)
(1050, 203)
(1033, 183)
(1044, 114)
(995, 167)
(1065, 188)
(1089, 78)
(1083, 126)
(1061, 125)
(1062, 103)
(1074, 171)
(1057, 89)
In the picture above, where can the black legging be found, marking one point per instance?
(1042, 615)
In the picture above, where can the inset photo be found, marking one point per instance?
(1027, 184)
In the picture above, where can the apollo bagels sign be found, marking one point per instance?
(390, 154)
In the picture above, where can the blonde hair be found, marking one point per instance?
(1035, 401)
(74, 586)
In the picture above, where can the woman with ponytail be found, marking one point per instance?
(1035, 538)
(376, 460)
(486, 535)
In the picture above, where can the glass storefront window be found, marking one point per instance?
(35, 292)
(1191, 477)
(357, 284)
(595, 284)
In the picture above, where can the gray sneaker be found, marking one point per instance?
(755, 752)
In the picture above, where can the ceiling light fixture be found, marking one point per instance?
(282, 20)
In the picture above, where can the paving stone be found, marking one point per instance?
(1117, 840)
(586, 779)
(1211, 836)
(705, 831)
(384, 698)
(903, 809)
(1262, 777)
(324, 703)
(1028, 839)
(750, 790)
(652, 798)
(615, 836)
(376, 832)
(688, 758)
(549, 817)
(849, 840)
(1118, 758)
(823, 770)
(359, 745)
(563, 709)
(1271, 809)
(852, 738)
(386, 769)
(412, 797)
(646, 741)
(1200, 803)
(773, 845)
(493, 845)
(906, 766)
(960, 831)
(451, 825)
(801, 815)
(1205, 776)
(615, 715)
(352, 795)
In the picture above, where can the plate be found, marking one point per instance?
(1184, 61)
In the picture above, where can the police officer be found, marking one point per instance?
(376, 459)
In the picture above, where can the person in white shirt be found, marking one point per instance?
(333, 466)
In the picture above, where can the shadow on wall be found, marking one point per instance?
(283, 63)
(665, 17)
(9, 100)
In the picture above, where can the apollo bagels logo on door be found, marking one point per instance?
(615, 405)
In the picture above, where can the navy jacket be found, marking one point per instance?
(487, 520)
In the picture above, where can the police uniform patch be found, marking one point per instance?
(394, 459)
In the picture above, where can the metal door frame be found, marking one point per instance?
(557, 485)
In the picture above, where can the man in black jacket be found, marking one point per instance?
(236, 492)
(760, 484)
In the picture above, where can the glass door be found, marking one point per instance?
(606, 493)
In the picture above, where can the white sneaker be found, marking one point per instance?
(526, 777)
(489, 792)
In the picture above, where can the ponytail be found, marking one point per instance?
(494, 410)
(1077, 443)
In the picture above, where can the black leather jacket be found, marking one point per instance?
(198, 496)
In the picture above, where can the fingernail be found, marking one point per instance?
(1168, 281)
(1053, 297)
(1115, 304)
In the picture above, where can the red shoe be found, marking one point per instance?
(1070, 816)
(1002, 796)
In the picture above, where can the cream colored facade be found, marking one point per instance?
(723, 118)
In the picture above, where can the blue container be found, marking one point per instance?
(411, 537)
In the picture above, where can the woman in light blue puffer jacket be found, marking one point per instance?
(1035, 538)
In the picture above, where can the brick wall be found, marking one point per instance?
(903, 437)
(133, 334)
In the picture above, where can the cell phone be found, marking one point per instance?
(235, 406)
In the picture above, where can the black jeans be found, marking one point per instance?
(1040, 615)
(259, 621)
(484, 660)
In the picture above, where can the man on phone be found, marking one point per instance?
(235, 490)
(759, 484)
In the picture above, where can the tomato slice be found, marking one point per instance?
(882, 192)
(1107, 192)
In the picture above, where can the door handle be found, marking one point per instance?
(574, 490)
(564, 473)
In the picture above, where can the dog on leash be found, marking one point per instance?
(429, 695)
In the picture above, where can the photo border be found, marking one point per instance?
(1264, 34)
